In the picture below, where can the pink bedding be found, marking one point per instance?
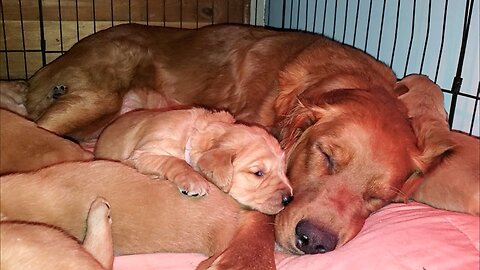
(412, 236)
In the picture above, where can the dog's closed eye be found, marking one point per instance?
(329, 161)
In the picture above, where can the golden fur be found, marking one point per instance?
(27, 245)
(187, 146)
(148, 216)
(349, 144)
(454, 181)
(34, 147)
(13, 95)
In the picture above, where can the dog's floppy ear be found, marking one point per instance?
(216, 165)
(300, 118)
(434, 142)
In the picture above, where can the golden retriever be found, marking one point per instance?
(27, 245)
(454, 181)
(350, 147)
(148, 216)
(34, 147)
(187, 146)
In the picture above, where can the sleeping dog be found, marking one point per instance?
(348, 140)
(149, 216)
(184, 146)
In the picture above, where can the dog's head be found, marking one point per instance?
(250, 165)
(349, 153)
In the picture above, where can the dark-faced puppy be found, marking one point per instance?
(350, 145)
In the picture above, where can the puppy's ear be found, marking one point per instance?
(216, 165)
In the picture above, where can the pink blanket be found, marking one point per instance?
(399, 236)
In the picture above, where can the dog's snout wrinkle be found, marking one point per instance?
(313, 239)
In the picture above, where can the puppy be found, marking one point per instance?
(13, 95)
(349, 145)
(149, 216)
(454, 181)
(27, 245)
(184, 146)
(27, 147)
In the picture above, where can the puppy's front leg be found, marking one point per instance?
(172, 168)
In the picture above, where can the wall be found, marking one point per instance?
(403, 44)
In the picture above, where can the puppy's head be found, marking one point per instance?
(349, 153)
(422, 97)
(250, 165)
(425, 105)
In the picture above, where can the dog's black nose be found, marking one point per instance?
(313, 239)
(286, 199)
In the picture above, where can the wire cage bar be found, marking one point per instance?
(430, 37)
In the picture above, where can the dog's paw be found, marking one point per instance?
(193, 184)
(99, 213)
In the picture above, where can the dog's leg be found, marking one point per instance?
(252, 247)
(81, 116)
(174, 169)
(98, 239)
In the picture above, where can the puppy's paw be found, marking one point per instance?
(98, 239)
(99, 214)
(193, 184)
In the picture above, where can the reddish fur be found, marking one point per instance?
(306, 89)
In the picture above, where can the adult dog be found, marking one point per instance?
(453, 182)
(350, 147)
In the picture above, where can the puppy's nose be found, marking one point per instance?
(313, 239)
(286, 199)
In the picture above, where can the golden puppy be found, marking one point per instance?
(13, 95)
(40, 246)
(184, 146)
(26, 147)
(454, 181)
(350, 147)
(148, 216)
